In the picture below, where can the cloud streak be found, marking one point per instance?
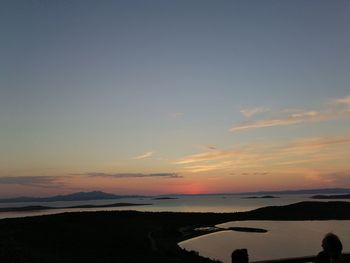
(63, 181)
(340, 108)
(143, 156)
(36, 181)
(212, 154)
(132, 175)
(272, 156)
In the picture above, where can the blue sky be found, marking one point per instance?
(87, 86)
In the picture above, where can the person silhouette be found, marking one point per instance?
(240, 256)
(332, 249)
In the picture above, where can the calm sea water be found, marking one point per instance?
(211, 203)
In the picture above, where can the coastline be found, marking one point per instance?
(133, 236)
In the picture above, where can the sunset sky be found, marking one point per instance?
(157, 97)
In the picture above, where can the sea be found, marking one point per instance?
(284, 239)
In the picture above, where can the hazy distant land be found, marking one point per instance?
(131, 236)
(79, 196)
(98, 195)
(39, 207)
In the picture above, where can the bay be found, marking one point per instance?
(284, 239)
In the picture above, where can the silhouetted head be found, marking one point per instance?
(240, 256)
(332, 245)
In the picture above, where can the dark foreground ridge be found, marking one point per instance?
(40, 207)
(130, 236)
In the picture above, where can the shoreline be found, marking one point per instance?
(153, 235)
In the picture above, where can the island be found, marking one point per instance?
(212, 229)
(248, 229)
(131, 236)
(346, 196)
(164, 198)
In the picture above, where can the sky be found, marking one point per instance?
(160, 97)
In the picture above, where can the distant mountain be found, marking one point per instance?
(98, 195)
(80, 196)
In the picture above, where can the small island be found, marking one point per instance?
(248, 229)
(212, 229)
(164, 198)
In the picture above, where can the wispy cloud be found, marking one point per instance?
(316, 143)
(212, 154)
(36, 181)
(251, 112)
(64, 181)
(250, 173)
(274, 156)
(339, 108)
(132, 175)
(143, 156)
(343, 101)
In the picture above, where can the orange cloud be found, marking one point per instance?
(269, 156)
(212, 154)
